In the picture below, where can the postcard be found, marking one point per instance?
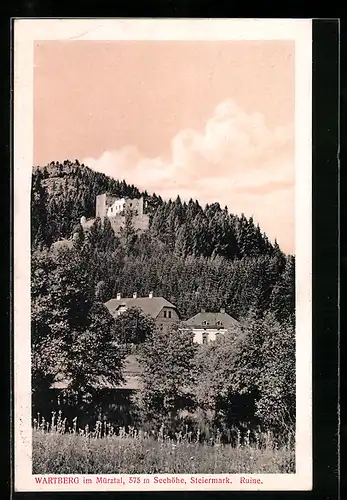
(162, 254)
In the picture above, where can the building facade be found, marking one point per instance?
(208, 326)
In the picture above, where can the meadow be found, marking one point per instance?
(60, 449)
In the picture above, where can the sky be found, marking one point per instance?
(208, 120)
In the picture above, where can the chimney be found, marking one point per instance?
(151, 295)
(135, 295)
(118, 296)
(203, 310)
(222, 310)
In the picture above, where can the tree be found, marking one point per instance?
(128, 232)
(93, 356)
(100, 291)
(276, 384)
(39, 212)
(215, 366)
(95, 234)
(109, 239)
(133, 326)
(72, 333)
(283, 293)
(182, 242)
(252, 370)
(47, 325)
(49, 321)
(78, 236)
(168, 375)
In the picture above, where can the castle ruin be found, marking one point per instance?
(115, 209)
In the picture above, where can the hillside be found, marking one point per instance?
(194, 256)
(63, 192)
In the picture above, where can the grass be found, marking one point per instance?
(58, 449)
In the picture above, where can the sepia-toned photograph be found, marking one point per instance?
(160, 348)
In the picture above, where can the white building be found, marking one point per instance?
(207, 326)
(116, 208)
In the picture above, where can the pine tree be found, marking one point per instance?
(109, 239)
(78, 237)
(283, 293)
(39, 215)
(128, 233)
(182, 242)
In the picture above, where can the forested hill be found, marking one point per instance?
(63, 192)
(197, 256)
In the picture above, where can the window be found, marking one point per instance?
(164, 314)
(204, 338)
(121, 309)
(169, 313)
(205, 323)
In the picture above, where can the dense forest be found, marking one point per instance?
(194, 256)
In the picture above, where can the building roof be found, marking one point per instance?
(211, 319)
(132, 376)
(64, 243)
(151, 306)
(132, 382)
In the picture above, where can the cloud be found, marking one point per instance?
(236, 159)
(266, 188)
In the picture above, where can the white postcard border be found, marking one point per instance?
(26, 31)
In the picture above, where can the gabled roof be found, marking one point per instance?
(64, 243)
(151, 306)
(131, 382)
(211, 319)
(132, 375)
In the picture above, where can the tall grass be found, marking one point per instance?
(62, 449)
